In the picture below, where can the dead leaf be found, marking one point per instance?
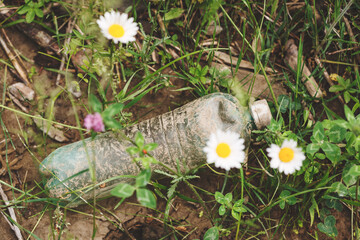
(309, 81)
(21, 91)
(50, 130)
(255, 85)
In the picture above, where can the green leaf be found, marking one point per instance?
(331, 151)
(314, 206)
(320, 156)
(348, 113)
(132, 150)
(171, 190)
(310, 173)
(113, 109)
(275, 126)
(236, 213)
(112, 123)
(228, 198)
(282, 204)
(318, 133)
(328, 227)
(24, 10)
(352, 192)
(220, 198)
(342, 123)
(336, 88)
(312, 148)
(347, 97)
(333, 203)
(285, 196)
(139, 140)
(284, 102)
(146, 161)
(350, 177)
(146, 197)
(341, 80)
(143, 178)
(94, 103)
(151, 146)
(212, 234)
(222, 210)
(204, 70)
(355, 126)
(173, 14)
(336, 134)
(357, 144)
(237, 209)
(339, 188)
(39, 12)
(123, 190)
(30, 16)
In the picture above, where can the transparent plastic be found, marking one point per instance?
(181, 135)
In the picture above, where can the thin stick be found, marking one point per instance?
(32, 30)
(341, 50)
(12, 214)
(18, 103)
(231, 60)
(352, 37)
(292, 60)
(64, 56)
(17, 65)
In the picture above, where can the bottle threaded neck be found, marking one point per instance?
(260, 112)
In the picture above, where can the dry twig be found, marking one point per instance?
(32, 30)
(254, 84)
(50, 130)
(69, 29)
(353, 39)
(309, 81)
(5, 165)
(8, 48)
(231, 60)
(12, 215)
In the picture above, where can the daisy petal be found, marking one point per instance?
(289, 160)
(123, 28)
(225, 150)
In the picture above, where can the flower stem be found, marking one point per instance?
(242, 196)
(225, 180)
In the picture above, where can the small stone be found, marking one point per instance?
(213, 27)
(74, 88)
(21, 92)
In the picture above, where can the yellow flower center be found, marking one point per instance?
(223, 150)
(116, 30)
(286, 154)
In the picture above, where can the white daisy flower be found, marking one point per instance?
(225, 149)
(286, 158)
(118, 27)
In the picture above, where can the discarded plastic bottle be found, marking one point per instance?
(181, 135)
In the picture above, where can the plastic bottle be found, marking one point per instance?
(181, 134)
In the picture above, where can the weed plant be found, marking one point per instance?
(177, 35)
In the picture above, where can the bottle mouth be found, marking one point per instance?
(260, 112)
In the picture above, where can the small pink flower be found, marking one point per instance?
(95, 122)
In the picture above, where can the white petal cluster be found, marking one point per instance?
(290, 165)
(233, 142)
(115, 20)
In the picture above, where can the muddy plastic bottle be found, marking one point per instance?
(181, 134)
